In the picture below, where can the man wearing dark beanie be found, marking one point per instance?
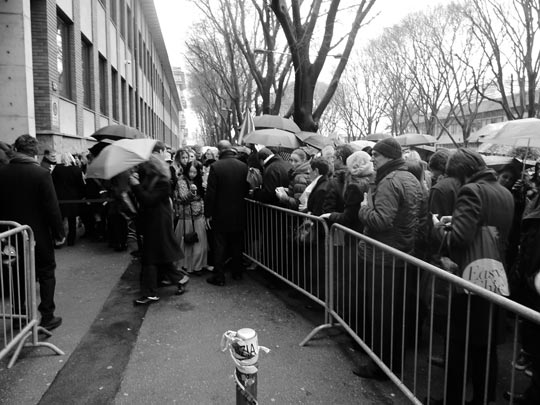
(389, 147)
(391, 217)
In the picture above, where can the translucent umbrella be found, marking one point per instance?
(415, 139)
(120, 156)
(524, 132)
(267, 121)
(377, 137)
(273, 137)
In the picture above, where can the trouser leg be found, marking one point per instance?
(149, 280)
(72, 230)
(220, 254)
(47, 285)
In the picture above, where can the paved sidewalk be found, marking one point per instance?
(177, 357)
(116, 353)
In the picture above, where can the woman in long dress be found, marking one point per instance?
(191, 218)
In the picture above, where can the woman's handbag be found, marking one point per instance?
(434, 292)
(482, 264)
(192, 237)
(306, 232)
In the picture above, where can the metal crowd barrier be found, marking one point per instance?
(18, 302)
(402, 311)
(291, 245)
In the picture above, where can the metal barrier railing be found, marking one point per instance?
(400, 310)
(291, 245)
(18, 302)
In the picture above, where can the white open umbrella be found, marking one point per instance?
(486, 132)
(267, 121)
(524, 132)
(413, 139)
(273, 137)
(120, 156)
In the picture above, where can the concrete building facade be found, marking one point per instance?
(70, 67)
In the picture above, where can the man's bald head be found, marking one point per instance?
(224, 145)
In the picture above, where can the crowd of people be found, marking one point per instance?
(187, 210)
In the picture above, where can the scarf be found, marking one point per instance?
(305, 195)
(387, 168)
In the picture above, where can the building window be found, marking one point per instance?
(129, 28)
(131, 108)
(114, 11)
(64, 58)
(122, 5)
(86, 56)
(103, 85)
(114, 88)
(123, 89)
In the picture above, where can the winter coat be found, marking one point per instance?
(317, 201)
(355, 187)
(528, 262)
(298, 181)
(160, 245)
(340, 178)
(225, 193)
(275, 174)
(392, 217)
(69, 185)
(28, 197)
(482, 201)
(443, 195)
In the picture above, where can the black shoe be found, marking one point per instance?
(371, 371)
(51, 323)
(519, 397)
(146, 300)
(216, 281)
(180, 289)
(237, 276)
(437, 361)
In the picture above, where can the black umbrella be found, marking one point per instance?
(98, 147)
(118, 131)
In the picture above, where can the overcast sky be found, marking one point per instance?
(176, 16)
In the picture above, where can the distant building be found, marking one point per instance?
(70, 67)
(489, 112)
(180, 81)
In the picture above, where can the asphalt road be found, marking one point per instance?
(170, 351)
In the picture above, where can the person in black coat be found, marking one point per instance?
(224, 210)
(69, 185)
(160, 248)
(481, 201)
(28, 197)
(275, 174)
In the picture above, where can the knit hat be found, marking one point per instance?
(359, 164)
(388, 147)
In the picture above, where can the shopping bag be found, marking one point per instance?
(482, 264)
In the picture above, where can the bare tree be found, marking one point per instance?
(464, 63)
(299, 33)
(271, 70)
(218, 80)
(509, 31)
(360, 99)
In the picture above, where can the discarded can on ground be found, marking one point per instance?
(244, 349)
